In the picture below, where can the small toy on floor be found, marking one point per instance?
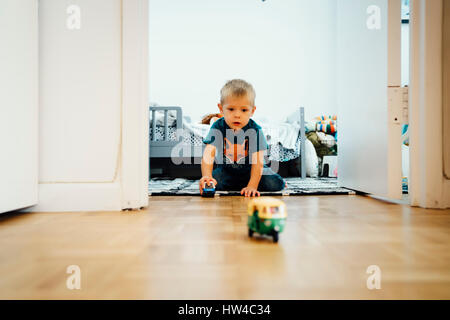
(266, 216)
(209, 191)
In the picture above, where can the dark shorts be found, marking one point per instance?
(230, 180)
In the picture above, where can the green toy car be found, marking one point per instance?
(266, 216)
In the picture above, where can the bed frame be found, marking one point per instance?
(163, 149)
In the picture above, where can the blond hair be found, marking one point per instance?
(237, 88)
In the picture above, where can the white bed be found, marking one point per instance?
(173, 135)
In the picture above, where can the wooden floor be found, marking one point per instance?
(194, 248)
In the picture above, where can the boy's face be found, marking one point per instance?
(237, 111)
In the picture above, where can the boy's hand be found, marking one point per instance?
(204, 181)
(249, 191)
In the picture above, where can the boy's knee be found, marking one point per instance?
(273, 182)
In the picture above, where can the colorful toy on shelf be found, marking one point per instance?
(326, 124)
(266, 216)
(209, 191)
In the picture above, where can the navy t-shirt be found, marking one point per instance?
(234, 149)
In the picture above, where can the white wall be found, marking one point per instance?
(446, 87)
(285, 48)
(428, 186)
(405, 82)
(405, 54)
(80, 106)
(18, 104)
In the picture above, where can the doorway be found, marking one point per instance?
(186, 37)
(195, 49)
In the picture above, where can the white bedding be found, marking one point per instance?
(198, 129)
(284, 133)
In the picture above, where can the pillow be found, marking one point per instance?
(311, 160)
(294, 117)
(326, 139)
(186, 119)
(261, 119)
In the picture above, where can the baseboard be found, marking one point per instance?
(78, 197)
(446, 194)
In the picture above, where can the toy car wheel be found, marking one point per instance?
(275, 236)
(250, 232)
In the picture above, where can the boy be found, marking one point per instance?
(239, 144)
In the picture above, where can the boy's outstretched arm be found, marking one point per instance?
(207, 167)
(255, 175)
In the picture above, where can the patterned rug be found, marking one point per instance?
(295, 186)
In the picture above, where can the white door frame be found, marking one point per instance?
(128, 188)
(135, 129)
(427, 186)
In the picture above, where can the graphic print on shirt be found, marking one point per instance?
(235, 152)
